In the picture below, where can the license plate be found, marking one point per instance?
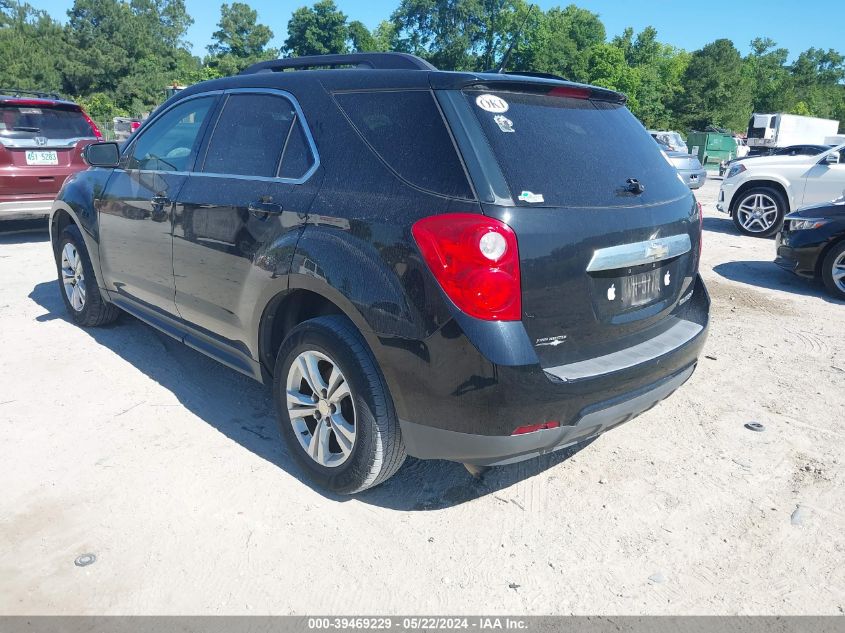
(641, 288)
(41, 157)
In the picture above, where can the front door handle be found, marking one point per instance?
(264, 208)
(159, 204)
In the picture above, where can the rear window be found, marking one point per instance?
(568, 152)
(23, 122)
(407, 131)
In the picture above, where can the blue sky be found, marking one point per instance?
(796, 25)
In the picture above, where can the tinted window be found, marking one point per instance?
(249, 135)
(297, 158)
(25, 122)
(574, 152)
(406, 130)
(170, 142)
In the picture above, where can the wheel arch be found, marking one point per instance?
(292, 306)
(64, 215)
(825, 252)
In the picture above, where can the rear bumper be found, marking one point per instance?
(694, 179)
(450, 396)
(25, 208)
(490, 450)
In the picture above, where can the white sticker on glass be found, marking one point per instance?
(491, 103)
(504, 123)
(527, 196)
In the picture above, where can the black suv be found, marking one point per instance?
(464, 266)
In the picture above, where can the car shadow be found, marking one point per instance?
(24, 231)
(769, 275)
(720, 225)
(242, 410)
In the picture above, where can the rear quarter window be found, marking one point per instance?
(569, 152)
(406, 130)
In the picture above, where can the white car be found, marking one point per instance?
(759, 192)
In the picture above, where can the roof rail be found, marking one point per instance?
(380, 61)
(17, 92)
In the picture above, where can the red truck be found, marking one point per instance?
(41, 142)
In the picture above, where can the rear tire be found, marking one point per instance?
(346, 444)
(77, 283)
(833, 271)
(759, 212)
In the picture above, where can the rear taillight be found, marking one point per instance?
(531, 428)
(475, 259)
(93, 125)
(134, 125)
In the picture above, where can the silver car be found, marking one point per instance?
(688, 166)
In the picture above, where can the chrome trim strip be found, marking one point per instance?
(673, 338)
(638, 253)
(52, 143)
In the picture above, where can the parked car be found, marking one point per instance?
(671, 139)
(792, 150)
(812, 244)
(125, 126)
(41, 142)
(759, 192)
(473, 267)
(689, 169)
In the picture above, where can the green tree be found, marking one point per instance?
(239, 34)
(560, 42)
(321, 30)
(31, 42)
(716, 90)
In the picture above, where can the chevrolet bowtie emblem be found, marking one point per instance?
(656, 251)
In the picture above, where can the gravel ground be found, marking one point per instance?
(168, 467)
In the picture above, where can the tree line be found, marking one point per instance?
(117, 56)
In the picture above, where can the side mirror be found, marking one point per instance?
(832, 158)
(102, 154)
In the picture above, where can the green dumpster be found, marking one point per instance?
(712, 147)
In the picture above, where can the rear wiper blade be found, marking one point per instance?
(26, 129)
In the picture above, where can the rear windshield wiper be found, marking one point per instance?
(26, 129)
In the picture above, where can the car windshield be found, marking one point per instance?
(23, 122)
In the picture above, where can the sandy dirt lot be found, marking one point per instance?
(169, 468)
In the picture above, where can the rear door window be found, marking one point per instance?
(26, 122)
(250, 135)
(406, 130)
(570, 152)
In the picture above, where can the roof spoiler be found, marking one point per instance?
(372, 61)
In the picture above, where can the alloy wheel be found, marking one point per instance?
(321, 408)
(73, 277)
(757, 213)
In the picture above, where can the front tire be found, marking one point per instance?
(78, 284)
(759, 212)
(833, 271)
(334, 409)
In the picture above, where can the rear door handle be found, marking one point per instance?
(264, 208)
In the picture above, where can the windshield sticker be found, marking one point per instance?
(491, 103)
(30, 111)
(527, 196)
(504, 123)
